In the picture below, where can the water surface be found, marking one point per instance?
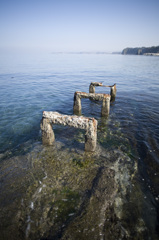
(59, 192)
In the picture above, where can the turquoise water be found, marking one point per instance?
(31, 84)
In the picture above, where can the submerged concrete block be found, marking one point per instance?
(105, 98)
(88, 124)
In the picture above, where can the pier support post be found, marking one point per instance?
(88, 124)
(91, 136)
(92, 86)
(48, 136)
(113, 92)
(77, 104)
(106, 105)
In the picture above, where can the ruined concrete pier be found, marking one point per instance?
(93, 85)
(105, 98)
(88, 124)
(98, 84)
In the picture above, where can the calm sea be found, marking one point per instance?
(31, 84)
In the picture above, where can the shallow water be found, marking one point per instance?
(60, 192)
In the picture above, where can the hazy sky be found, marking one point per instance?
(78, 25)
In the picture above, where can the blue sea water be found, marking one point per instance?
(31, 84)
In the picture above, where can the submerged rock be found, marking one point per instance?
(65, 193)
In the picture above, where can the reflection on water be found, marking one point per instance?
(61, 192)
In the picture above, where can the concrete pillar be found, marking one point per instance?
(91, 136)
(106, 105)
(91, 88)
(113, 92)
(77, 104)
(48, 136)
(93, 85)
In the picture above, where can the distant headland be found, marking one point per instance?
(150, 51)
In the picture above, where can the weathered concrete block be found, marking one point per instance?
(88, 124)
(106, 105)
(113, 92)
(48, 136)
(94, 96)
(77, 104)
(93, 85)
(98, 84)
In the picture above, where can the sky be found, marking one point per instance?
(78, 25)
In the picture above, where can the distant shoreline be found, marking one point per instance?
(106, 53)
(151, 54)
(148, 51)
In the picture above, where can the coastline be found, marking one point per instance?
(151, 54)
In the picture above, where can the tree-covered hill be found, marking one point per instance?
(141, 51)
